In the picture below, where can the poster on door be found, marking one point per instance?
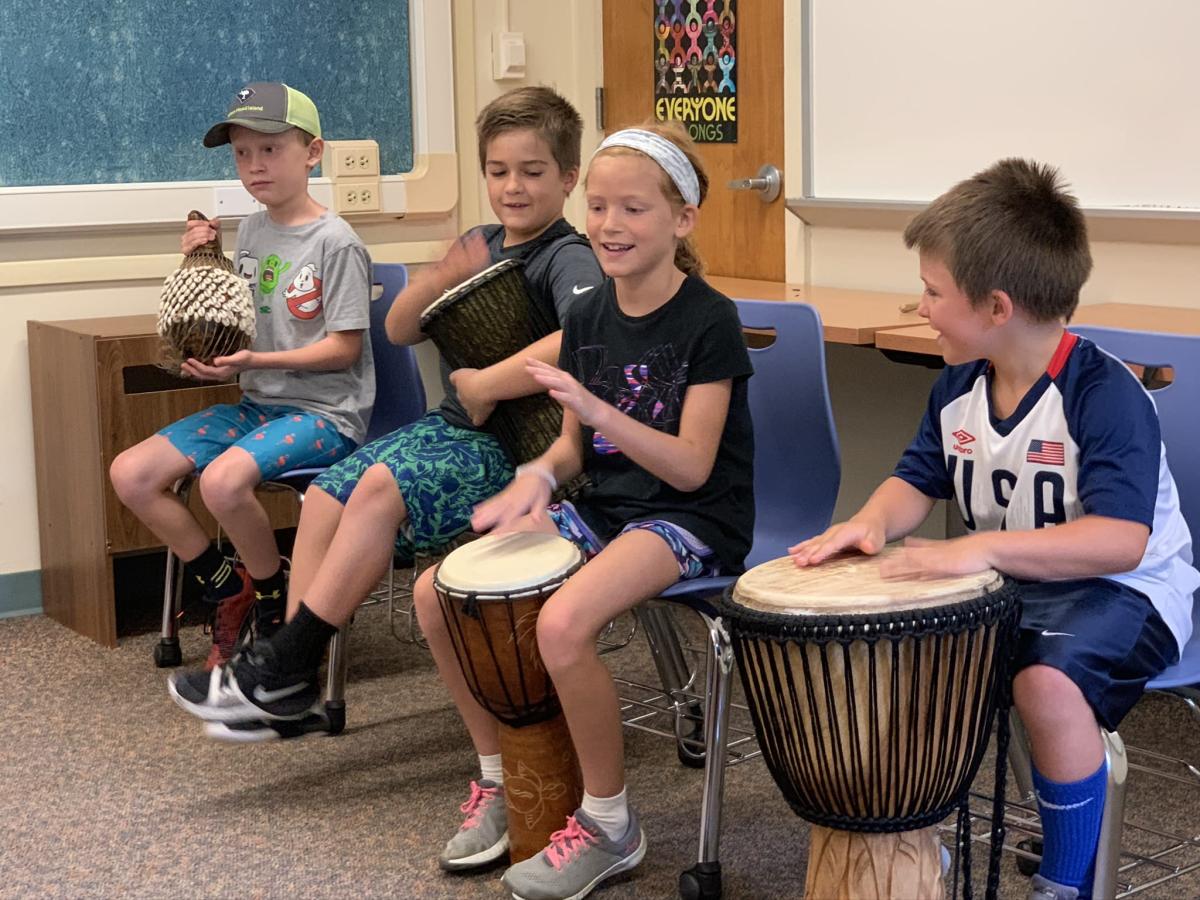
(695, 67)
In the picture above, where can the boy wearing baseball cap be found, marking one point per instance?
(307, 382)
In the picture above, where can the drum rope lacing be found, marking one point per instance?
(899, 770)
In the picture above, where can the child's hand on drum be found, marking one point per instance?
(922, 558)
(860, 534)
(569, 393)
(471, 395)
(198, 233)
(466, 258)
(527, 495)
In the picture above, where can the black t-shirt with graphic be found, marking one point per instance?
(643, 366)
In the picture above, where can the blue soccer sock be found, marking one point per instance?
(1071, 815)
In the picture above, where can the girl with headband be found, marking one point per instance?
(652, 381)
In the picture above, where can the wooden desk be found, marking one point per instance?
(849, 317)
(96, 391)
(1170, 319)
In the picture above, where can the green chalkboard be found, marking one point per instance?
(122, 91)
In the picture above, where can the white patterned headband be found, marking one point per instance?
(663, 152)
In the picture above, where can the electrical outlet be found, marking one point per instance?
(356, 196)
(350, 159)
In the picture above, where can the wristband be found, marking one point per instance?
(540, 470)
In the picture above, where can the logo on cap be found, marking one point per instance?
(245, 94)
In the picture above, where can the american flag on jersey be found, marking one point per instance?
(1048, 453)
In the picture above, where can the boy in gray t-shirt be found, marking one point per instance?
(308, 380)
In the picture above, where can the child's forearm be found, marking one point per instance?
(337, 350)
(896, 508)
(564, 458)
(403, 323)
(509, 378)
(683, 461)
(1089, 547)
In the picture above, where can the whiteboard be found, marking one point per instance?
(904, 99)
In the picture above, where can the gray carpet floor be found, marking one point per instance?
(107, 789)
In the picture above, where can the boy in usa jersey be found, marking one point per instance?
(1051, 450)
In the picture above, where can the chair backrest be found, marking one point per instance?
(399, 391)
(797, 464)
(1178, 405)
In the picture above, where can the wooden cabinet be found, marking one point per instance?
(96, 390)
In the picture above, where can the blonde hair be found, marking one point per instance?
(687, 257)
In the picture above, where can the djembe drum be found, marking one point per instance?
(873, 701)
(484, 320)
(206, 309)
(491, 591)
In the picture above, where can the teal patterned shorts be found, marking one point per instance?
(443, 472)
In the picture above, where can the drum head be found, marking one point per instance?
(505, 564)
(850, 584)
(461, 290)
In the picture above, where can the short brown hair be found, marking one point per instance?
(687, 257)
(1012, 227)
(540, 110)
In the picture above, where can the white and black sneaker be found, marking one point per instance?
(250, 687)
(258, 731)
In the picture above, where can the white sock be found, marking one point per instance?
(491, 768)
(610, 813)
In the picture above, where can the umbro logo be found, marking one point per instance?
(577, 290)
(245, 94)
(963, 437)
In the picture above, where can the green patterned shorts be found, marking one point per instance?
(442, 471)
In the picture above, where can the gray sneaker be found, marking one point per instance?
(1045, 889)
(483, 836)
(579, 858)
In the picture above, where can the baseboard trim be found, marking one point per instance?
(20, 594)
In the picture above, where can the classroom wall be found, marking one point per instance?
(876, 402)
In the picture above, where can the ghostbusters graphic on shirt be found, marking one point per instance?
(303, 294)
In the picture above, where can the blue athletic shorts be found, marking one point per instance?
(442, 471)
(694, 557)
(278, 437)
(1106, 637)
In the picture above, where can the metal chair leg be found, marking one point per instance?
(335, 688)
(703, 881)
(1019, 758)
(675, 675)
(167, 652)
(1108, 848)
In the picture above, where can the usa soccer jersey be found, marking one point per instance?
(1083, 441)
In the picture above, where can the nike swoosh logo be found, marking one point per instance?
(264, 696)
(1062, 806)
(577, 290)
(1057, 634)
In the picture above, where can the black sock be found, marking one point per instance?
(270, 595)
(215, 573)
(300, 644)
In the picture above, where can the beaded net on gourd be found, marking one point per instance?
(206, 309)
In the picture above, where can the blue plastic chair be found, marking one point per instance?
(797, 471)
(399, 400)
(1178, 404)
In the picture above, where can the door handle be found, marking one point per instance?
(767, 182)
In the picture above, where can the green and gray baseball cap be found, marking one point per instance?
(269, 107)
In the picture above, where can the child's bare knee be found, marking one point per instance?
(426, 603)
(1043, 692)
(377, 487)
(135, 478)
(224, 486)
(560, 640)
